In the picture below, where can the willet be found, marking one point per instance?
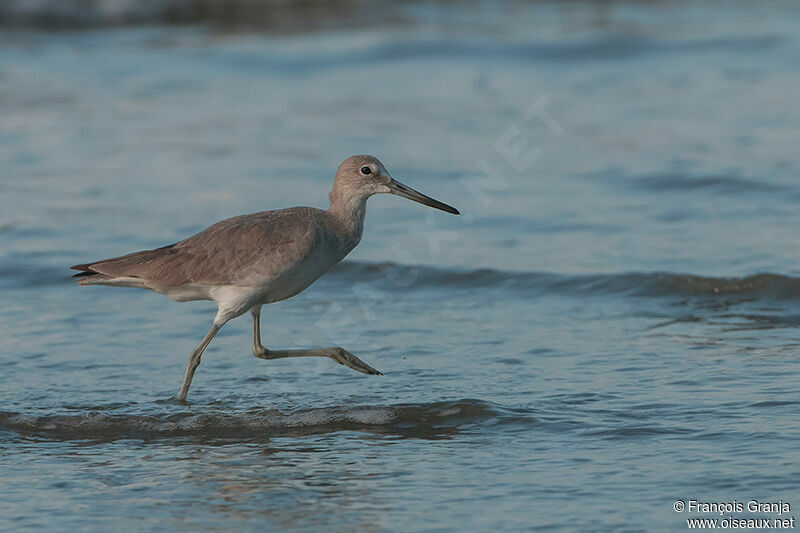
(244, 262)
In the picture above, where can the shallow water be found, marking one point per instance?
(610, 326)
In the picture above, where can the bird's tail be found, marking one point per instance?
(123, 271)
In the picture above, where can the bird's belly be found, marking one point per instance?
(291, 283)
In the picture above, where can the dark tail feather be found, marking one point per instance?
(90, 278)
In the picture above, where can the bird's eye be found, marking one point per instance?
(366, 170)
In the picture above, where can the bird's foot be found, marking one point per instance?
(343, 357)
(340, 355)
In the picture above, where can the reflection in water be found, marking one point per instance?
(321, 488)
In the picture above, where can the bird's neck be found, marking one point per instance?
(349, 212)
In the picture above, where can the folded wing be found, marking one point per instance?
(225, 253)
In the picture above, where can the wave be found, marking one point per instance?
(588, 414)
(637, 284)
(428, 421)
(280, 16)
(387, 275)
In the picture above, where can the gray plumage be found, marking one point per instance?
(236, 251)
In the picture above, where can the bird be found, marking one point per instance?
(247, 261)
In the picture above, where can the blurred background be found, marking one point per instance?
(612, 319)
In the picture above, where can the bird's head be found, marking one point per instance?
(363, 175)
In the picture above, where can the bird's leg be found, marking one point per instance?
(257, 347)
(194, 361)
(340, 355)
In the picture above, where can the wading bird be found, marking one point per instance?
(244, 262)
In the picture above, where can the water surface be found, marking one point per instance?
(610, 326)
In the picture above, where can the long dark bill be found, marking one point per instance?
(395, 187)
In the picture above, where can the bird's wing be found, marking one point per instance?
(223, 253)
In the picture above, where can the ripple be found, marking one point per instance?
(718, 184)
